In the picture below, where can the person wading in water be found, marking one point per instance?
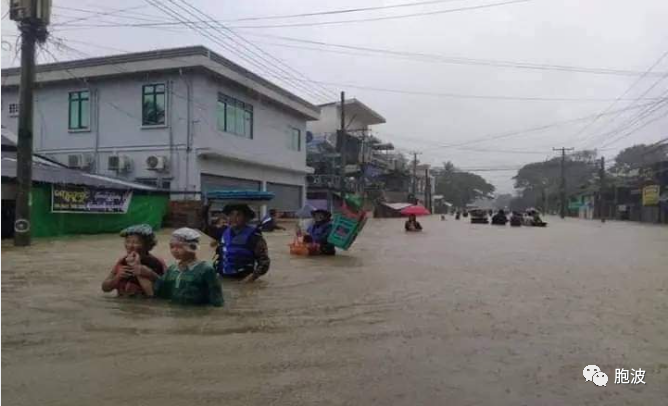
(243, 252)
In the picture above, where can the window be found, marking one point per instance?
(294, 139)
(153, 104)
(13, 109)
(234, 116)
(79, 110)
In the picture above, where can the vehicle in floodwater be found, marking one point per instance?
(479, 216)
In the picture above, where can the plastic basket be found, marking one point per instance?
(345, 230)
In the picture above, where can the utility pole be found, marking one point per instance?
(363, 168)
(32, 17)
(562, 203)
(427, 189)
(415, 154)
(342, 137)
(601, 202)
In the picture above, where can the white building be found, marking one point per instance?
(186, 119)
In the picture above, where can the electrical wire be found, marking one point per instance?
(436, 58)
(244, 42)
(99, 14)
(258, 63)
(438, 12)
(634, 119)
(656, 118)
(344, 11)
(611, 105)
(472, 96)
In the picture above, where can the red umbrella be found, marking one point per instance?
(417, 209)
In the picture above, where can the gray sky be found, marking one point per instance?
(612, 34)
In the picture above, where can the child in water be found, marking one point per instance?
(129, 276)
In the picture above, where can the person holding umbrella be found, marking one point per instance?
(412, 225)
(243, 252)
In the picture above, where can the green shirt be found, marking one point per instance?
(197, 285)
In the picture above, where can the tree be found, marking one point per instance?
(461, 188)
(540, 182)
(638, 156)
(503, 200)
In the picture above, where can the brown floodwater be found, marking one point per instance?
(460, 314)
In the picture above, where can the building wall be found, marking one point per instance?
(330, 121)
(116, 129)
(271, 127)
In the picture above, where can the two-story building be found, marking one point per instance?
(325, 148)
(183, 119)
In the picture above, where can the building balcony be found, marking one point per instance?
(332, 182)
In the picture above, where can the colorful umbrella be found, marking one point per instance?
(417, 210)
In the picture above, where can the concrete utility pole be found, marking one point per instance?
(363, 168)
(562, 198)
(601, 188)
(32, 17)
(427, 190)
(415, 154)
(342, 137)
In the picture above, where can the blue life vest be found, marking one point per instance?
(320, 231)
(237, 254)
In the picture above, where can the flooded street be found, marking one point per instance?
(461, 314)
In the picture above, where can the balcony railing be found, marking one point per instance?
(328, 182)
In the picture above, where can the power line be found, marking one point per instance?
(135, 15)
(314, 23)
(327, 92)
(607, 109)
(637, 129)
(528, 130)
(472, 96)
(631, 121)
(259, 62)
(344, 11)
(421, 14)
(99, 14)
(436, 58)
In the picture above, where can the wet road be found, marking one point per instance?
(461, 315)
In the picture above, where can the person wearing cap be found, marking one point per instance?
(243, 251)
(319, 231)
(189, 281)
(129, 276)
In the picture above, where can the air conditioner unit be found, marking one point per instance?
(119, 163)
(156, 163)
(75, 161)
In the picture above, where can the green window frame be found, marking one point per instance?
(234, 116)
(79, 110)
(153, 104)
(294, 139)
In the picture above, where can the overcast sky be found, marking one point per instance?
(611, 34)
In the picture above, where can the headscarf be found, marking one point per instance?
(144, 231)
(187, 236)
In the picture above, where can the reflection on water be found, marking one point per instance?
(459, 314)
